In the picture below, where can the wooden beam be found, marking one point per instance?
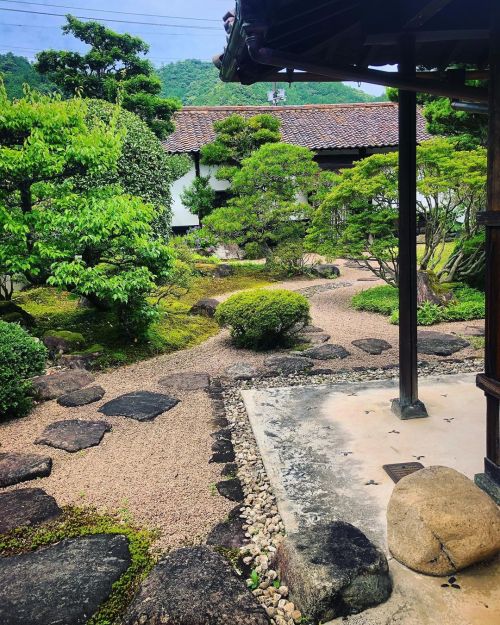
(426, 12)
(428, 36)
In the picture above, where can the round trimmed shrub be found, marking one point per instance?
(262, 319)
(21, 357)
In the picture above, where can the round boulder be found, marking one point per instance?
(439, 522)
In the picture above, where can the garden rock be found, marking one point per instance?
(16, 468)
(62, 341)
(82, 397)
(223, 451)
(439, 344)
(229, 534)
(28, 506)
(288, 364)
(194, 586)
(326, 270)
(81, 360)
(56, 384)
(439, 522)
(205, 307)
(332, 570)
(224, 270)
(141, 405)
(231, 489)
(314, 338)
(186, 381)
(474, 331)
(74, 434)
(326, 352)
(372, 346)
(11, 312)
(230, 470)
(310, 330)
(61, 584)
(242, 371)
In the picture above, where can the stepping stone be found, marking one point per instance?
(231, 489)
(16, 468)
(474, 331)
(288, 364)
(64, 583)
(205, 307)
(28, 506)
(74, 434)
(310, 330)
(60, 383)
(372, 346)
(315, 338)
(332, 570)
(223, 451)
(141, 405)
(326, 352)
(81, 397)
(439, 344)
(326, 270)
(230, 470)
(368, 279)
(242, 371)
(194, 586)
(186, 381)
(230, 533)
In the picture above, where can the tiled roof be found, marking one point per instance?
(316, 126)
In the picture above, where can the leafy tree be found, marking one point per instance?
(199, 197)
(18, 71)
(113, 69)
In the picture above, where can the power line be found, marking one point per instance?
(65, 6)
(104, 19)
(135, 32)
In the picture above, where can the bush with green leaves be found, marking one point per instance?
(289, 259)
(263, 319)
(21, 357)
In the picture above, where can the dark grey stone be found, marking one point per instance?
(223, 270)
(60, 383)
(288, 364)
(141, 405)
(205, 307)
(332, 570)
(223, 451)
(231, 489)
(186, 381)
(222, 435)
(326, 270)
(63, 584)
(82, 397)
(372, 346)
(439, 344)
(16, 468)
(220, 422)
(194, 586)
(242, 371)
(230, 533)
(315, 338)
(74, 434)
(28, 506)
(230, 470)
(326, 352)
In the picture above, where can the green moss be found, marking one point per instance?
(75, 339)
(82, 522)
(95, 348)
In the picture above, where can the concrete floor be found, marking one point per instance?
(323, 448)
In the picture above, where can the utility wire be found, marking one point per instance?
(135, 32)
(65, 6)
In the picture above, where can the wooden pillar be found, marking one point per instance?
(408, 405)
(490, 381)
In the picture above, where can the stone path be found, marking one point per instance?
(73, 435)
(17, 467)
(140, 405)
(29, 506)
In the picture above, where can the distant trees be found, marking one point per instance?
(18, 71)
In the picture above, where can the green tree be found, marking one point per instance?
(199, 197)
(113, 69)
(17, 72)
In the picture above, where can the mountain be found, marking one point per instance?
(17, 71)
(197, 83)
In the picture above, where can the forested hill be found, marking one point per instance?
(197, 83)
(16, 71)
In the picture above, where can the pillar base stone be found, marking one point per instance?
(489, 486)
(415, 410)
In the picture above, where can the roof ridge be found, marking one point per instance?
(267, 107)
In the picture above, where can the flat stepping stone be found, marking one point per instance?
(440, 344)
(16, 468)
(474, 331)
(194, 586)
(74, 434)
(242, 371)
(315, 338)
(28, 506)
(231, 489)
(141, 405)
(372, 346)
(186, 381)
(230, 533)
(288, 364)
(310, 330)
(60, 383)
(82, 397)
(64, 583)
(326, 352)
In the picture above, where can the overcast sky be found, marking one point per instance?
(175, 30)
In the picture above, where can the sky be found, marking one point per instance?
(174, 29)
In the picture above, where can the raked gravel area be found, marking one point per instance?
(158, 473)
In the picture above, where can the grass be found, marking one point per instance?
(176, 329)
(447, 251)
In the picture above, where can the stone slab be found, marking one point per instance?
(16, 468)
(54, 385)
(81, 397)
(288, 365)
(140, 405)
(74, 434)
(372, 346)
(27, 506)
(439, 344)
(186, 381)
(242, 371)
(326, 352)
(63, 584)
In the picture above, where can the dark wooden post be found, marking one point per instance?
(490, 381)
(408, 405)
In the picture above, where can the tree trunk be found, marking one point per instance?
(427, 293)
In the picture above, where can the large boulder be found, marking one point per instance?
(439, 522)
(54, 385)
(61, 584)
(332, 570)
(62, 341)
(16, 468)
(27, 506)
(194, 586)
(205, 307)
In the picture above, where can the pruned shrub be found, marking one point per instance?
(21, 357)
(262, 319)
